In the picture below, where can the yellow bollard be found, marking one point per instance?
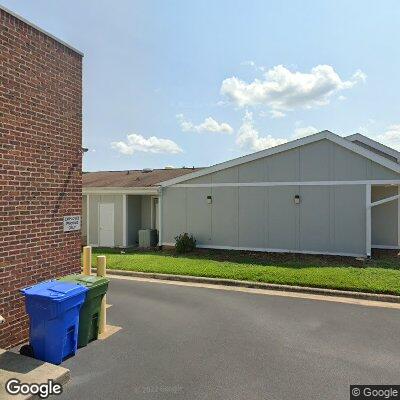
(87, 260)
(101, 271)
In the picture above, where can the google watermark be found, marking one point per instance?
(42, 390)
(373, 392)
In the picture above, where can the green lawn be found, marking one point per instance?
(381, 274)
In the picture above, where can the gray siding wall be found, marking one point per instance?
(95, 200)
(134, 216)
(319, 161)
(138, 216)
(146, 212)
(384, 217)
(329, 219)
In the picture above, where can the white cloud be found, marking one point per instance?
(304, 131)
(208, 125)
(277, 114)
(391, 137)
(273, 114)
(249, 137)
(367, 127)
(359, 76)
(282, 89)
(251, 63)
(153, 144)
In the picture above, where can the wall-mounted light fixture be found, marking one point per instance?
(296, 199)
(209, 199)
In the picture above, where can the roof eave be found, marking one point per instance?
(374, 144)
(120, 190)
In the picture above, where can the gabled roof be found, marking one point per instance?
(375, 145)
(132, 178)
(289, 146)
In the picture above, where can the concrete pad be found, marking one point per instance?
(27, 370)
(110, 330)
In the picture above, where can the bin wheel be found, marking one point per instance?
(26, 350)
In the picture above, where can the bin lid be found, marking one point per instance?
(89, 281)
(54, 290)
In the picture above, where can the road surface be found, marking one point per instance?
(180, 342)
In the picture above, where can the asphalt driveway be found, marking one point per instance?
(196, 343)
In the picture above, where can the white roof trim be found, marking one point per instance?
(40, 29)
(374, 144)
(289, 146)
(120, 190)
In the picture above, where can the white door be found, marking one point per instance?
(106, 224)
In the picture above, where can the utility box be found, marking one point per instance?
(148, 238)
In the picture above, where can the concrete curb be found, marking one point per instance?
(28, 370)
(259, 285)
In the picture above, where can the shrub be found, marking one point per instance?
(185, 243)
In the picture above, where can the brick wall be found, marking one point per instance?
(40, 165)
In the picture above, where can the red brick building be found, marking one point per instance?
(40, 164)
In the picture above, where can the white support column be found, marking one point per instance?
(124, 220)
(368, 219)
(160, 212)
(87, 219)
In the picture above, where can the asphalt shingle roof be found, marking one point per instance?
(132, 178)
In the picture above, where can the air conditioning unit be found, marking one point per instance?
(148, 238)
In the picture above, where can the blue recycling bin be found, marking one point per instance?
(53, 308)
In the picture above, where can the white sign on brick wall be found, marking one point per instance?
(72, 223)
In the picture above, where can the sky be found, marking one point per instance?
(195, 83)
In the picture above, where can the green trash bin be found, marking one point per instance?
(90, 311)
